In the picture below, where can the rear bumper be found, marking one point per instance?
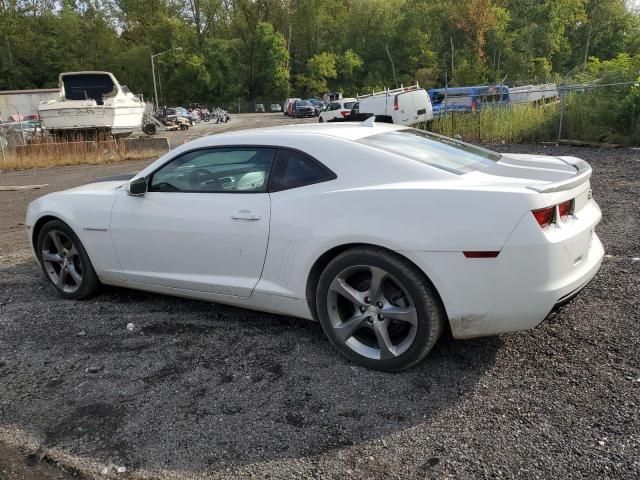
(531, 277)
(562, 302)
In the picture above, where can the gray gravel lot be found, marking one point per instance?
(199, 390)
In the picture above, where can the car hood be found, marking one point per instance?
(539, 172)
(98, 187)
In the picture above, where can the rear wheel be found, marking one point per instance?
(65, 262)
(378, 310)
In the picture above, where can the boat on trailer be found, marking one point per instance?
(92, 103)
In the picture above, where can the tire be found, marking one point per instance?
(149, 129)
(80, 280)
(403, 303)
(320, 120)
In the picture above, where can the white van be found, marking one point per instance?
(405, 105)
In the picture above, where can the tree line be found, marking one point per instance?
(269, 49)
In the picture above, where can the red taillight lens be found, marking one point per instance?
(565, 209)
(345, 113)
(544, 216)
(395, 103)
(547, 216)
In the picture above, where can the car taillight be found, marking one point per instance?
(345, 113)
(395, 103)
(544, 216)
(565, 208)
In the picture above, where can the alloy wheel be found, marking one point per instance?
(61, 261)
(371, 312)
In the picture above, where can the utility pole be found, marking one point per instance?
(153, 71)
(155, 88)
(393, 67)
(451, 39)
(586, 50)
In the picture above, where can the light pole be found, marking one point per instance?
(153, 71)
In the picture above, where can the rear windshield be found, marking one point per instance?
(434, 150)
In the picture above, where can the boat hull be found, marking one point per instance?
(118, 120)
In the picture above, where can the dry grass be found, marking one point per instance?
(49, 154)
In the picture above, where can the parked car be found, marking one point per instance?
(289, 103)
(467, 99)
(318, 105)
(20, 133)
(186, 114)
(170, 116)
(178, 116)
(337, 109)
(182, 113)
(274, 107)
(404, 106)
(259, 108)
(303, 108)
(432, 233)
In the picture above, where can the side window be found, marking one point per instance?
(333, 106)
(216, 170)
(294, 169)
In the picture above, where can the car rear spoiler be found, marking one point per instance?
(584, 173)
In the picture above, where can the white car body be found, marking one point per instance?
(337, 109)
(257, 250)
(405, 106)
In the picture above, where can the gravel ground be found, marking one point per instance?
(199, 390)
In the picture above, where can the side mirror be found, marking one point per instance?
(137, 187)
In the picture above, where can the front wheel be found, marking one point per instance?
(321, 120)
(378, 310)
(65, 262)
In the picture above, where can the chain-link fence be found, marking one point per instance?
(598, 110)
(19, 125)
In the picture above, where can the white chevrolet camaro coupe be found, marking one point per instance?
(387, 235)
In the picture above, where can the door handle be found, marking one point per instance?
(245, 215)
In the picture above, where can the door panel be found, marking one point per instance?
(210, 242)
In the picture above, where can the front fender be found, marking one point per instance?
(88, 215)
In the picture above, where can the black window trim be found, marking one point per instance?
(328, 173)
(327, 176)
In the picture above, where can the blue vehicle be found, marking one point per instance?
(467, 99)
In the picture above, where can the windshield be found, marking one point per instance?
(303, 103)
(434, 150)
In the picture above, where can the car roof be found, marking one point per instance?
(348, 131)
(278, 136)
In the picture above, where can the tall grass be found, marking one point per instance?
(605, 117)
(45, 154)
(508, 124)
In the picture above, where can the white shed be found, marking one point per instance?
(18, 104)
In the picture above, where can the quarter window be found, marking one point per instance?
(294, 169)
(216, 170)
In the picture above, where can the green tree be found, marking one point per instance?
(320, 69)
